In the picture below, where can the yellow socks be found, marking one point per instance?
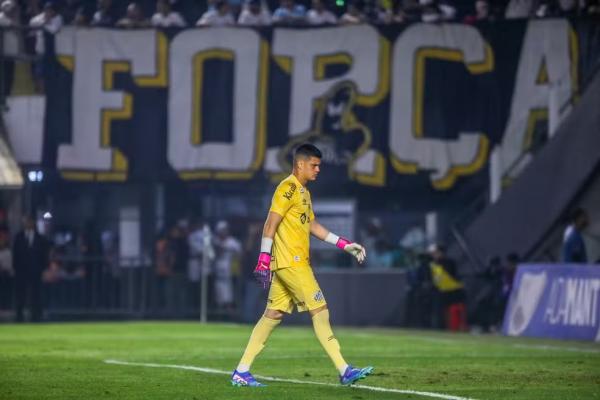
(328, 341)
(259, 336)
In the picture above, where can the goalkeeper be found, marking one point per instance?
(284, 265)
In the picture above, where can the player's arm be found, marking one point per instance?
(262, 271)
(322, 233)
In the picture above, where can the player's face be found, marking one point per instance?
(311, 168)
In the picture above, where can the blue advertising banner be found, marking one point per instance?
(557, 301)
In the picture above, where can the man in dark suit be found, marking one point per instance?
(30, 258)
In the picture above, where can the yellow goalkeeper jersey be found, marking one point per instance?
(292, 239)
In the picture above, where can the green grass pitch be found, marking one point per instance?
(67, 361)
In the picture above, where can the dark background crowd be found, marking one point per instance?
(180, 13)
(77, 270)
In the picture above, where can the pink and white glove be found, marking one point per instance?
(355, 249)
(262, 271)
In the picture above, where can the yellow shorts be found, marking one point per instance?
(295, 286)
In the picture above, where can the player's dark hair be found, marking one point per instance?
(307, 150)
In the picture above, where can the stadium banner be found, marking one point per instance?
(559, 301)
(412, 111)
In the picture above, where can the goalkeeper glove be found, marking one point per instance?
(262, 271)
(355, 249)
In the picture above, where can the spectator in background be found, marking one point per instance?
(482, 12)
(376, 240)
(353, 15)
(49, 21)
(452, 294)
(165, 17)
(320, 15)
(8, 14)
(30, 9)
(593, 8)
(6, 270)
(289, 13)
(547, 9)
(196, 245)
(431, 13)
(573, 247)
(176, 285)
(447, 10)
(254, 14)
(227, 248)
(410, 10)
(9, 17)
(379, 11)
(520, 8)
(508, 276)
(219, 16)
(81, 17)
(399, 16)
(104, 16)
(30, 258)
(134, 18)
(163, 259)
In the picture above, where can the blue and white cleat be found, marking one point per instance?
(351, 375)
(244, 379)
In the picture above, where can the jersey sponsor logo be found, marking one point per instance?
(304, 218)
(318, 296)
(290, 192)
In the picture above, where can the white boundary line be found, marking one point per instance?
(270, 378)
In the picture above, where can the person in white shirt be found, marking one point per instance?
(353, 15)
(8, 14)
(134, 18)
(104, 16)
(165, 18)
(47, 21)
(12, 42)
(219, 16)
(227, 249)
(320, 15)
(50, 21)
(254, 14)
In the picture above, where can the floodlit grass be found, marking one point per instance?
(66, 361)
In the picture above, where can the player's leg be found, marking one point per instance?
(279, 302)
(348, 374)
(306, 292)
(323, 331)
(261, 332)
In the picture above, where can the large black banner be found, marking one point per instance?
(410, 111)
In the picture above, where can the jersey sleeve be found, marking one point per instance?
(282, 200)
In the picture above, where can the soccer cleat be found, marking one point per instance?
(352, 374)
(244, 379)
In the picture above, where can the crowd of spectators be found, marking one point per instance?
(52, 14)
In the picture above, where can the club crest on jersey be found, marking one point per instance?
(318, 296)
(297, 258)
(290, 192)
